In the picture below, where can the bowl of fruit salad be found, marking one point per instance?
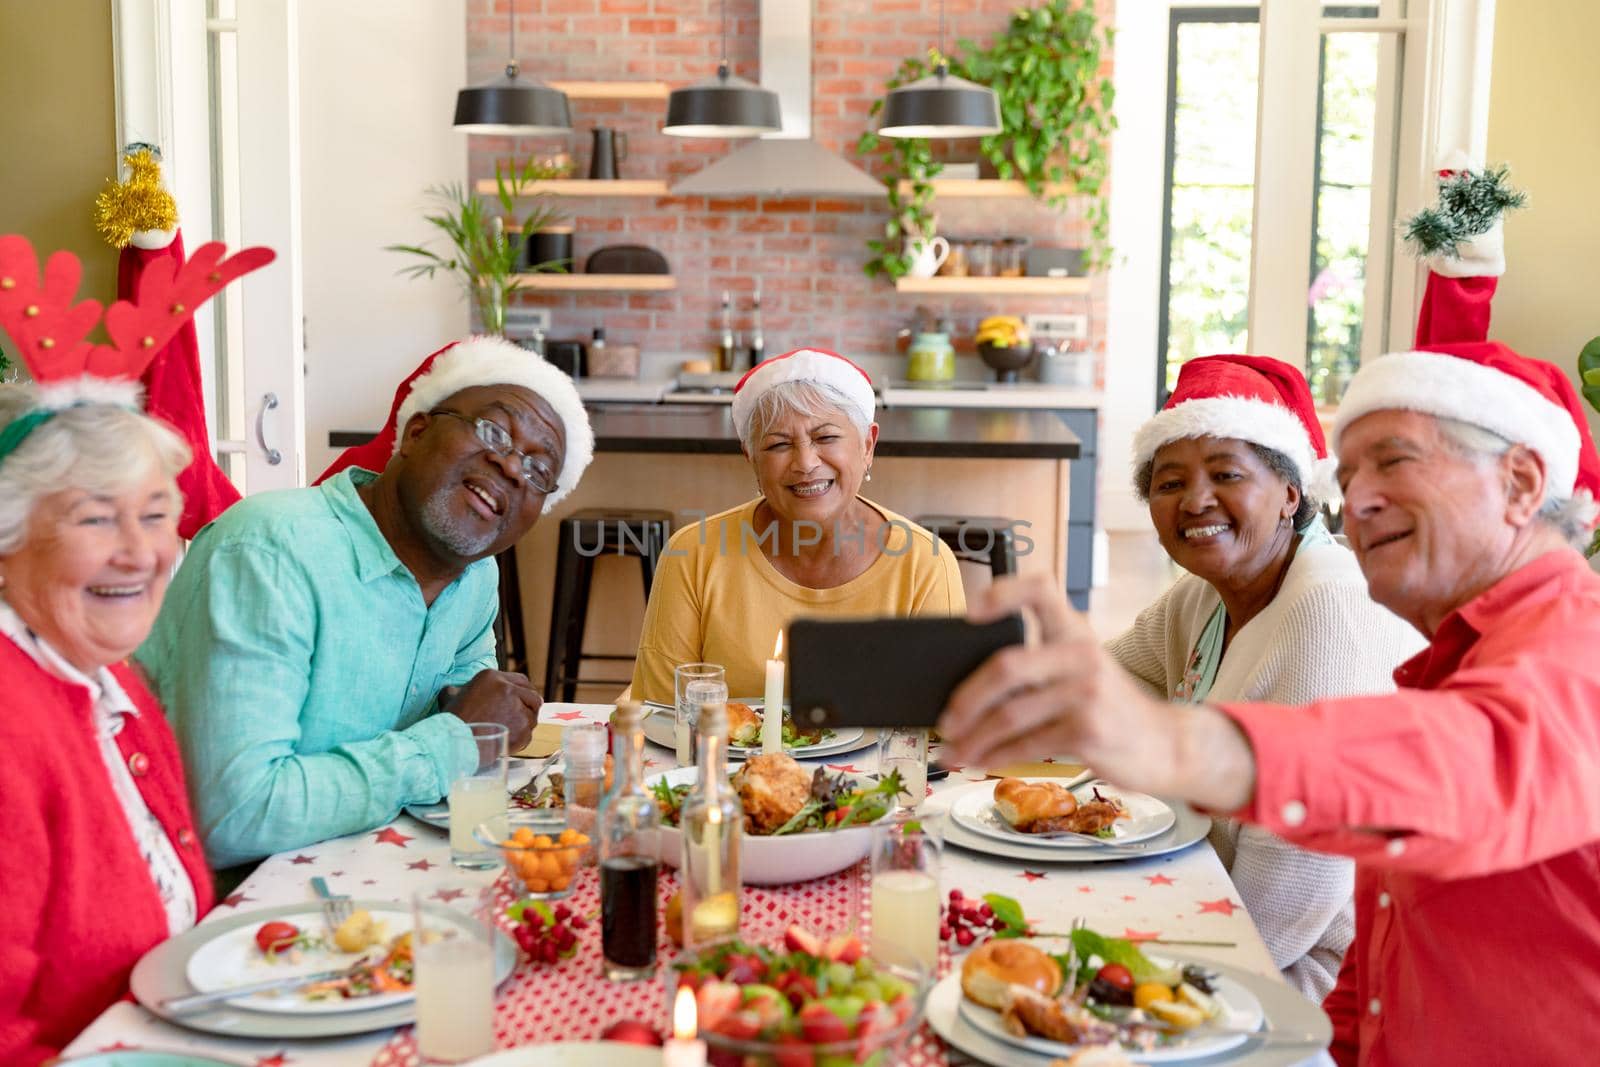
(807, 999)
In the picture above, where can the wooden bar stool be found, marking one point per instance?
(981, 539)
(585, 536)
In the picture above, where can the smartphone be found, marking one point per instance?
(886, 672)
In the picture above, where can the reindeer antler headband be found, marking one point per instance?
(49, 330)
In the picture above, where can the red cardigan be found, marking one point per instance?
(77, 905)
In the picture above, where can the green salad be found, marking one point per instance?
(835, 802)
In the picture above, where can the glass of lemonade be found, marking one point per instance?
(453, 954)
(905, 749)
(905, 893)
(479, 798)
(694, 684)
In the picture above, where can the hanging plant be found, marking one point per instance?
(1056, 110)
(911, 216)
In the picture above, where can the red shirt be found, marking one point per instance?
(1478, 871)
(77, 904)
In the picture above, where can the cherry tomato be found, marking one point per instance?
(274, 937)
(1115, 974)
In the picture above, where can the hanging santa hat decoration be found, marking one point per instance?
(50, 331)
(1257, 399)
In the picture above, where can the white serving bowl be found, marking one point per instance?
(775, 860)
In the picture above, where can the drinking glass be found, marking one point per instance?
(905, 893)
(695, 684)
(453, 962)
(905, 749)
(480, 797)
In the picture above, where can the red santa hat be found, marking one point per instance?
(1486, 384)
(1250, 398)
(481, 361)
(814, 365)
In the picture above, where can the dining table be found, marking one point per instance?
(1183, 896)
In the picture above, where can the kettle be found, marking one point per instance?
(610, 148)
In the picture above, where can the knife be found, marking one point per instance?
(186, 1004)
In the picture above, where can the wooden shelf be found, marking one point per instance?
(988, 188)
(584, 187)
(614, 90)
(997, 286)
(593, 283)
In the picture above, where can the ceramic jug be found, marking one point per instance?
(610, 148)
(927, 255)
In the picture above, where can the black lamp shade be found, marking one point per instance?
(512, 105)
(724, 106)
(941, 105)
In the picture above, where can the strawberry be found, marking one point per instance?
(845, 948)
(739, 1025)
(793, 1051)
(820, 1026)
(799, 939)
(715, 1001)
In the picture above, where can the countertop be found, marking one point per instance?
(935, 433)
(895, 394)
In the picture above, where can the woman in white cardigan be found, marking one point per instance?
(1272, 609)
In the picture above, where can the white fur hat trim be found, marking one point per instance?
(1242, 418)
(70, 392)
(1476, 257)
(496, 361)
(804, 365)
(1442, 385)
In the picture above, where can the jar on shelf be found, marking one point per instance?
(980, 258)
(955, 264)
(1009, 257)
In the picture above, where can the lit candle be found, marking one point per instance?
(684, 1050)
(772, 708)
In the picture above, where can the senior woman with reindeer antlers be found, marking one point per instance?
(94, 800)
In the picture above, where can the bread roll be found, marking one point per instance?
(744, 725)
(991, 969)
(1022, 803)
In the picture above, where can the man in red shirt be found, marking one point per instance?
(1470, 798)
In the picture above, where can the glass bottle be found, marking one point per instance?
(758, 342)
(712, 821)
(583, 749)
(725, 350)
(629, 831)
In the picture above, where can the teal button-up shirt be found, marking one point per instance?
(300, 669)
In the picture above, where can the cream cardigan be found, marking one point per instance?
(1321, 636)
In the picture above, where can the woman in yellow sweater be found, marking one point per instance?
(807, 546)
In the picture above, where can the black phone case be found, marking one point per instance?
(885, 672)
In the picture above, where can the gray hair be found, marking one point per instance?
(810, 399)
(1278, 462)
(99, 448)
(1566, 515)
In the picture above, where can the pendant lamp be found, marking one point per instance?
(723, 106)
(941, 105)
(512, 104)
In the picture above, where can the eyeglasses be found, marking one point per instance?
(536, 470)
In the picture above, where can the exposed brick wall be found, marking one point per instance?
(807, 252)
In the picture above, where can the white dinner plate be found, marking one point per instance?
(766, 860)
(144, 1057)
(162, 974)
(660, 728)
(573, 1054)
(1282, 1008)
(232, 958)
(1190, 827)
(1241, 1011)
(1147, 817)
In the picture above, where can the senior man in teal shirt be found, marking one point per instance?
(321, 651)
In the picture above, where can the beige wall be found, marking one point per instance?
(1544, 120)
(58, 129)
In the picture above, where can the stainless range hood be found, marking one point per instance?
(789, 163)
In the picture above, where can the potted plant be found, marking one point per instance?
(483, 255)
(1589, 375)
(1055, 107)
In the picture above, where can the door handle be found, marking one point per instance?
(268, 402)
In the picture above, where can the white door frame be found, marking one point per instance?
(163, 98)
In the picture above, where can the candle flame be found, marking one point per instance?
(684, 1021)
(777, 646)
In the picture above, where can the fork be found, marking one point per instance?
(336, 907)
(1078, 923)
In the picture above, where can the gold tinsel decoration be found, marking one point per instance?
(139, 203)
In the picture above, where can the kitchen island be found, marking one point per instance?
(686, 459)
